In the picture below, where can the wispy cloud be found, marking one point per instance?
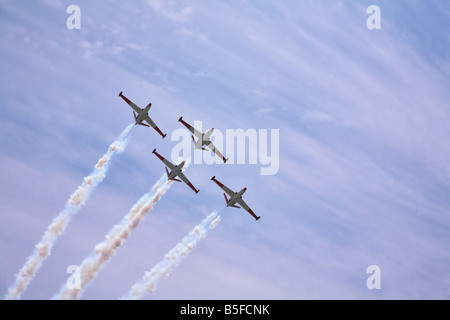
(167, 9)
(316, 115)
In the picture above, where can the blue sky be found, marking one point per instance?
(364, 168)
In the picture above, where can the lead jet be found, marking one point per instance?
(203, 139)
(142, 115)
(235, 197)
(175, 171)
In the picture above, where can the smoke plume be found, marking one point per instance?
(115, 238)
(61, 221)
(173, 258)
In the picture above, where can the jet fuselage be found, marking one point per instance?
(237, 196)
(140, 117)
(176, 171)
(204, 139)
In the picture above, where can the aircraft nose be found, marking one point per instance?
(245, 189)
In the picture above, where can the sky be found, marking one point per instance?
(362, 172)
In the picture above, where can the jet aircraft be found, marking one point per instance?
(141, 115)
(203, 139)
(235, 197)
(175, 171)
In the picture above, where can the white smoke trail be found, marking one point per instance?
(60, 222)
(173, 258)
(114, 239)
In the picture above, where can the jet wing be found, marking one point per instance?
(246, 207)
(197, 133)
(186, 180)
(166, 162)
(215, 150)
(150, 121)
(153, 125)
(224, 188)
(132, 105)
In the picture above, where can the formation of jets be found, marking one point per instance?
(203, 139)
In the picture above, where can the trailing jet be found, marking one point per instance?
(175, 171)
(235, 197)
(203, 139)
(142, 115)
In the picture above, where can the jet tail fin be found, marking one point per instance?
(226, 200)
(166, 169)
(140, 123)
